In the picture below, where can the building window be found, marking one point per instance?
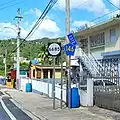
(97, 40)
(84, 44)
(112, 35)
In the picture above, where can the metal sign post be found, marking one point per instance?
(70, 50)
(54, 49)
(61, 79)
(54, 83)
(69, 84)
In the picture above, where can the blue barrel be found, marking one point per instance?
(75, 98)
(28, 87)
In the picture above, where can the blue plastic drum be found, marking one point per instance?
(28, 87)
(75, 98)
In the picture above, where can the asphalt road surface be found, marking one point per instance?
(3, 114)
(9, 111)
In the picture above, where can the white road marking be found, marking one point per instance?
(7, 110)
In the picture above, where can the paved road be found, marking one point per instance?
(9, 111)
(3, 114)
(41, 106)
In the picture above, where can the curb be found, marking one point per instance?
(18, 104)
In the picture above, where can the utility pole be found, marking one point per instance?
(18, 17)
(68, 60)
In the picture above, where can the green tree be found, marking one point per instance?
(43, 55)
(24, 65)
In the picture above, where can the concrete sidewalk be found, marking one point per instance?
(41, 106)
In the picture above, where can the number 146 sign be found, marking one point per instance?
(69, 49)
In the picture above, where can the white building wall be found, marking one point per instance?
(46, 88)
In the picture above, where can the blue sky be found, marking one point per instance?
(82, 12)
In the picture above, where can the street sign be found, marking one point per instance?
(69, 49)
(54, 49)
(72, 39)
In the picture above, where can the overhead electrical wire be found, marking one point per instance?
(109, 12)
(7, 2)
(39, 21)
(112, 4)
(84, 3)
(47, 9)
(103, 15)
(2, 8)
(41, 18)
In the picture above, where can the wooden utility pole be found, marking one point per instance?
(68, 59)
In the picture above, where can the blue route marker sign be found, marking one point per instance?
(72, 39)
(69, 49)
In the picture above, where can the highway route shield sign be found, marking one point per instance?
(54, 49)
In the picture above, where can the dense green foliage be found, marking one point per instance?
(29, 49)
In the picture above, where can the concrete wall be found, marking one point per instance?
(46, 88)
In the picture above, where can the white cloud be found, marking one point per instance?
(96, 6)
(37, 12)
(81, 23)
(48, 28)
(8, 30)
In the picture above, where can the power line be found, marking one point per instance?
(41, 18)
(39, 21)
(7, 2)
(84, 3)
(11, 5)
(113, 4)
(103, 15)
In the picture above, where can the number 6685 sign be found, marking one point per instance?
(54, 49)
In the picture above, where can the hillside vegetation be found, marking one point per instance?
(29, 49)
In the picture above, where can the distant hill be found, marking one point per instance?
(29, 49)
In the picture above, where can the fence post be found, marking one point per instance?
(119, 71)
(48, 87)
(90, 91)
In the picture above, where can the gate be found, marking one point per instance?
(106, 88)
(106, 76)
